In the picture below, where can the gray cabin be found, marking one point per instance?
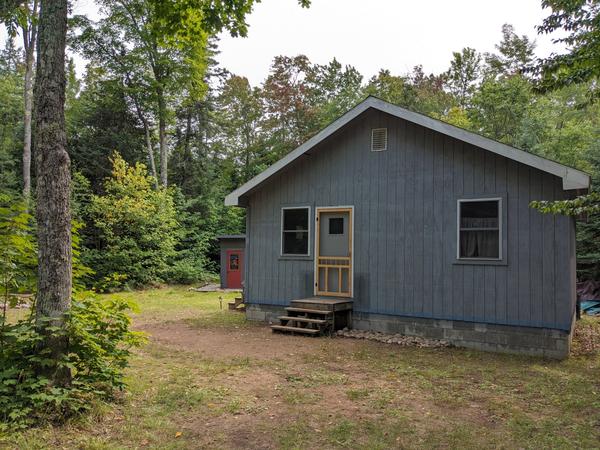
(416, 227)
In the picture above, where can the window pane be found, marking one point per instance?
(479, 244)
(480, 229)
(336, 225)
(295, 219)
(295, 243)
(479, 214)
(234, 262)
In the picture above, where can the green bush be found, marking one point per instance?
(134, 228)
(99, 345)
(185, 271)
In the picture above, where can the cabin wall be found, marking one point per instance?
(405, 202)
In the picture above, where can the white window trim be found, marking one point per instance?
(500, 226)
(281, 232)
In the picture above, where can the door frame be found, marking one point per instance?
(317, 228)
(240, 252)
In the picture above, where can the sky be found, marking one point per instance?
(369, 34)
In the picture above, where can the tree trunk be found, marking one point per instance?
(150, 153)
(53, 184)
(162, 136)
(148, 142)
(29, 39)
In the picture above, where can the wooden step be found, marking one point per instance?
(304, 319)
(295, 329)
(309, 311)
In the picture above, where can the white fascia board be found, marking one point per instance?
(572, 178)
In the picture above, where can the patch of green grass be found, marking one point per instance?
(300, 396)
(295, 436)
(358, 394)
(341, 434)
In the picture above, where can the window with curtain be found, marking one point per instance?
(295, 232)
(479, 229)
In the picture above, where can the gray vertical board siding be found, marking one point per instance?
(449, 227)
(536, 231)
(524, 278)
(405, 201)
(457, 271)
(428, 224)
(501, 288)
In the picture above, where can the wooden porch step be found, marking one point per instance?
(309, 311)
(311, 331)
(304, 319)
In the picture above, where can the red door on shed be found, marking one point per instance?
(235, 265)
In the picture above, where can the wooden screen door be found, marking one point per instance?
(333, 271)
(235, 261)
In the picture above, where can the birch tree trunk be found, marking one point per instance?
(162, 136)
(53, 183)
(150, 152)
(29, 32)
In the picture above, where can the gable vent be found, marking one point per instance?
(378, 139)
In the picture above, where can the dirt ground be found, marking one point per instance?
(257, 342)
(208, 379)
(310, 392)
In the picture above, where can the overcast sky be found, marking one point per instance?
(371, 34)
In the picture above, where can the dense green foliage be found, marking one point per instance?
(99, 338)
(135, 228)
(17, 250)
(99, 344)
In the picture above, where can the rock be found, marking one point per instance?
(394, 339)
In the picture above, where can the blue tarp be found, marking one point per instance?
(590, 307)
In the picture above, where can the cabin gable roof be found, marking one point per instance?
(571, 178)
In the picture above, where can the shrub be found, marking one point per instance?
(100, 342)
(135, 227)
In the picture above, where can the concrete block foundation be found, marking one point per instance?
(531, 341)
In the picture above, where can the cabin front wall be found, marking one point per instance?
(405, 201)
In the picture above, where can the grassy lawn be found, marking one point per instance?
(209, 379)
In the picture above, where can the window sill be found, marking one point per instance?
(480, 262)
(295, 258)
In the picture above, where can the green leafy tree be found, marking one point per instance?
(334, 90)
(11, 118)
(499, 107)
(515, 54)
(579, 22)
(239, 116)
(463, 75)
(136, 228)
(392, 88)
(100, 121)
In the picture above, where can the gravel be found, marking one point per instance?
(398, 339)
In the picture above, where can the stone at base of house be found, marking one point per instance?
(532, 341)
(264, 313)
